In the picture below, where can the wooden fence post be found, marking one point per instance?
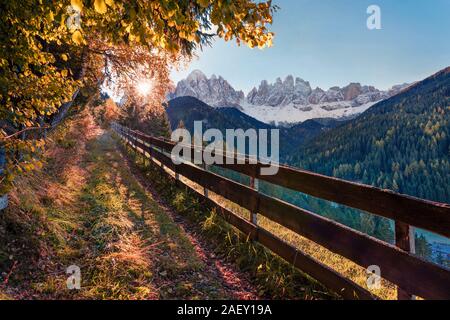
(134, 143)
(205, 190)
(430, 281)
(23, 136)
(130, 139)
(177, 175)
(254, 183)
(405, 240)
(125, 135)
(161, 163)
(144, 153)
(43, 130)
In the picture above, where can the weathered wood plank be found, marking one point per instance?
(325, 275)
(404, 237)
(236, 192)
(413, 274)
(429, 215)
(421, 213)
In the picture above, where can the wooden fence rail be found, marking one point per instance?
(413, 275)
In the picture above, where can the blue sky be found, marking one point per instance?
(328, 43)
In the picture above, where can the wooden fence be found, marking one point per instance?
(413, 275)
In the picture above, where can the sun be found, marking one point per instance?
(144, 87)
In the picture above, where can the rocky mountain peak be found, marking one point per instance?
(215, 91)
(290, 92)
(351, 91)
(196, 76)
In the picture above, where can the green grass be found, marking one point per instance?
(274, 277)
(86, 208)
(276, 281)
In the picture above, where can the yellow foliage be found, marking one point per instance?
(110, 3)
(100, 6)
(77, 37)
(131, 35)
(203, 3)
(77, 4)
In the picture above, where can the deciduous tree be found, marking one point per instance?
(50, 49)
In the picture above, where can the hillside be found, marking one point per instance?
(163, 150)
(401, 143)
(132, 234)
(189, 109)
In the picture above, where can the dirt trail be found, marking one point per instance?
(180, 263)
(127, 243)
(235, 284)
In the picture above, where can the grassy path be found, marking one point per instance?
(140, 251)
(91, 211)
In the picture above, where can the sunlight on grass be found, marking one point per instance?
(342, 265)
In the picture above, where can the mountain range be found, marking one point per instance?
(284, 101)
(401, 143)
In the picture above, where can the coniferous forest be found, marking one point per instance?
(400, 144)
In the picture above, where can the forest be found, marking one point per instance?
(399, 144)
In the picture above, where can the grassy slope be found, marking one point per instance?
(85, 208)
(272, 275)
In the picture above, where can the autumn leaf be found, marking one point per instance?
(50, 16)
(100, 6)
(77, 4)
(110, 3)
(77, 37)
(41, 37)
